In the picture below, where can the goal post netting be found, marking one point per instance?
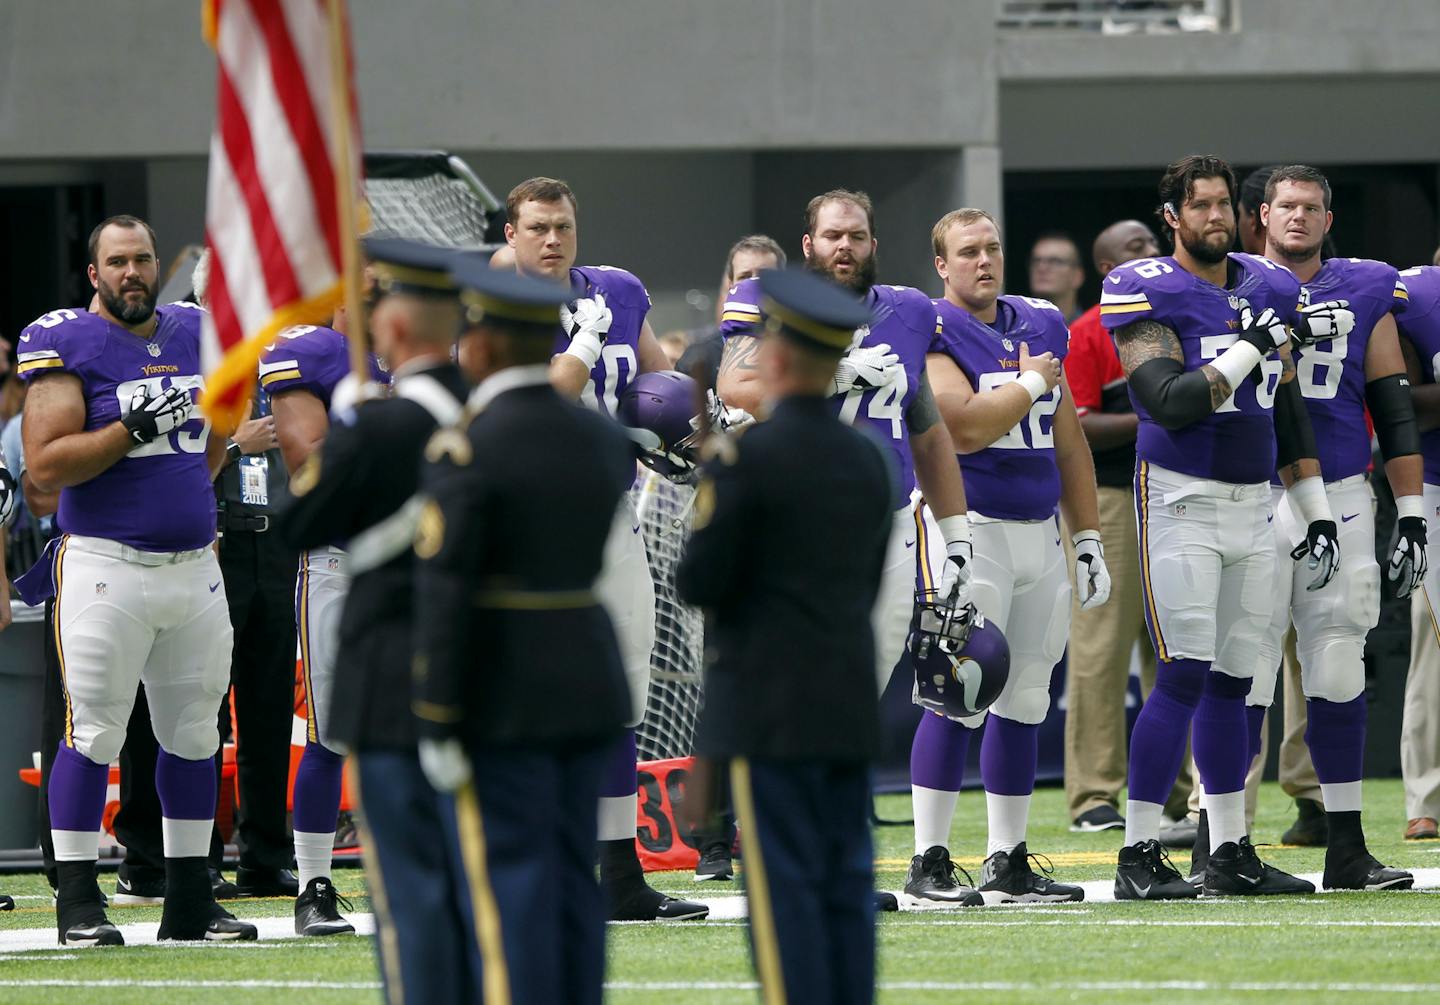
(428, 195)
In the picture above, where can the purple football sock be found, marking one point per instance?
(317, 789)
(938, 752)
(1007, 756)
(1335, 735)
(77, 792)
(1220, 739)
(1255, 721)
(1157, 743)
(619, 777)
(186, 788)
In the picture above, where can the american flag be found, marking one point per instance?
(285, 146)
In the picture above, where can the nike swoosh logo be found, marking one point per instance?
(1252, 880)
(122, 882)
(1143, 892)
(24, 338)
(1347, 519)
(1270, 518)
(215, 587)
(909, 544)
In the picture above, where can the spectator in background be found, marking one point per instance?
(673, 344)
(1103, 638)
(1056, 273)
(747, 257)
(1252, 196)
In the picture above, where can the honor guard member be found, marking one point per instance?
(518, 687)
(792, 525)
(358, 491)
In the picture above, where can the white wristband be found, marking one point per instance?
(1409, 506)
(955, 529)
(1236, 362)
(1034, 385)
(1308, 498)
(586, 353)
(1084, 535)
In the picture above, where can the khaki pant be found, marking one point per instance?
(1297, 773)
(1420, 725)
(1101, 642)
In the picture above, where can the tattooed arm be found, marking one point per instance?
(1175, 397)
(738, 380)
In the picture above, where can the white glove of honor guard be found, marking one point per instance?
(1092, 578)
(866, 367)
(587, 321)
(150, 417)
(445, 764)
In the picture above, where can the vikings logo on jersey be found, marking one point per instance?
(1015, 478)
(629, 303)
(900, 317)
(1418, 317)
(1236, 442)
(158, 497)
(310, 358)
(1331, 372)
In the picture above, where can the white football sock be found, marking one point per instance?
(1142, 821)
(933, 809)
(1341, 797)
(1008, 816)
(313, 853)
(76, 846)
(1226, 813)
(617, 817)
(186, 838)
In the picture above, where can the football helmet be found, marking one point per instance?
(659, 409)
(961, 660)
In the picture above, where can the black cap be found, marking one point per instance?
(810, 308)
(405, 266)
(505, 295)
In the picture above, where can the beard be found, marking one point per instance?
(1294, 255)
(859, 281)
(1210, 250)
(127, 311)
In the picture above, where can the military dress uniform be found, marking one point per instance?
(357, 491)
(791, 533)
(517, 662)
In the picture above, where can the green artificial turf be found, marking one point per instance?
(1335, 947)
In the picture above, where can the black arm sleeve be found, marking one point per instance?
(1294, 436)
(1394, 415)
(1173, 396)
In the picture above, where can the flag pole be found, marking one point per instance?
(345, 192)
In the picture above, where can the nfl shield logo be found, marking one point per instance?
(101, 589)
(152, 348)
(1009, 346)
(1237, 302)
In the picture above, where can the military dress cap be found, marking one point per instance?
(504, 295)
(810, 308)
(404, 266)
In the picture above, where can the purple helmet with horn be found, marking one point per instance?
(659, 408)
(961, 660)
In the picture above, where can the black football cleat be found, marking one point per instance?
(644, 903)
(1234, 870)
(6, 903)
(1362, 871)
(84, 925)
(1200, 852)
(317, 911)
(885, 901)
(206, 921)
(138, 887)
(933, 881)
(221, 887)
(1144, 872)
(1008, 878)
(266, 883)
(715, 863)
(1311, 829)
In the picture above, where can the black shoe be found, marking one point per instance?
(715, 863)
(1144, 872)
(266, 883)
(138, 887)
(1362, 871)
(932, 882)
(1310, 829)
(1098, 818)
(205, 921)
(1179, 833)
(644, 903)
(84, 924)
(885, 901)
(1200, 851)
(221, 887)
(347, 833)
(316, 912)
(1235, 870)
(1008, 874)
(6, 903)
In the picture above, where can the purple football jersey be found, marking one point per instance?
(1331, 372)
(901, 317)
(1236, 442)
(619, 360)
(1015, 478)
(310, 358)
(1417, 313)
(158, 497)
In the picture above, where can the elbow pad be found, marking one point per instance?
(1173, 396)
(1394, 416)
(1294, 436)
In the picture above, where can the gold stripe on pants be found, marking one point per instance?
(757, 889)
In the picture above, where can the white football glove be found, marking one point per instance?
(959, 558)
(445, 764)
(1092, 578)
(587, 321)
(1266, 331)
(723, 418)
(866, 367)
(9, 495)
(150, 417)
(1408, 563)
(1330, 319)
